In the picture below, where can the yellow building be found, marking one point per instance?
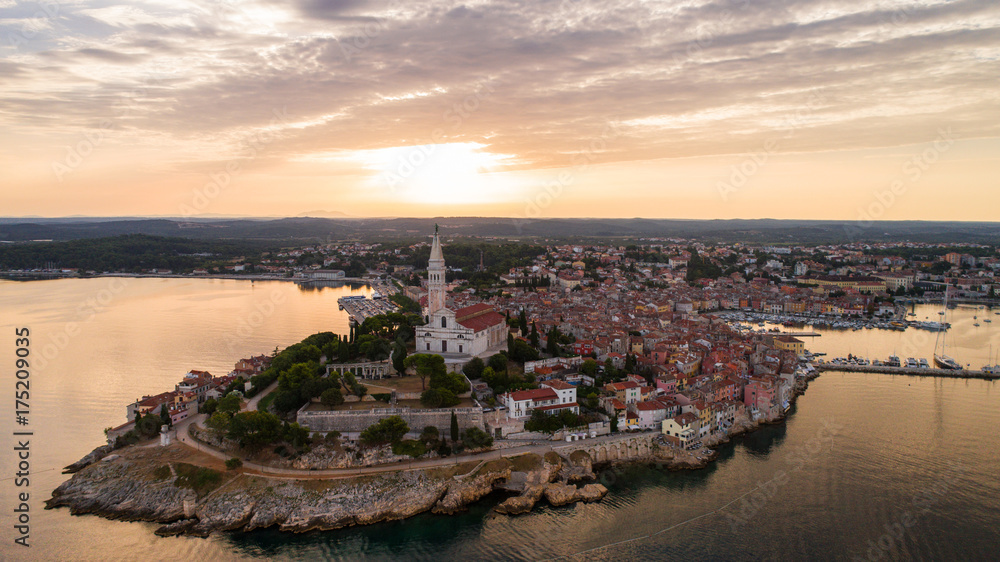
(790, 343)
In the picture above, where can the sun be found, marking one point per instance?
(443, 174)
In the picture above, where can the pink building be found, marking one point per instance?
(759, 394)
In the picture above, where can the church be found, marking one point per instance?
(460, 333)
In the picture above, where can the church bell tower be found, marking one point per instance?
(435, 277)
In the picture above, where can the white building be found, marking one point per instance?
(468, 331)
(565, 391)
(521, 403)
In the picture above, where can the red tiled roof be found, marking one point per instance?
(557, 384)
(534, 394)
(474, 310)
(686, 419)
(482, 322)
(649, 406)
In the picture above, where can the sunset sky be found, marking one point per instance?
(830, 109)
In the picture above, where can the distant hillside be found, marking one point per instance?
(318, 230)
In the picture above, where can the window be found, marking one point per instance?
(460, 348)
(428, 346)
(444, 346)
(444, 322)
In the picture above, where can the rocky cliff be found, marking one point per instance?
(191, 495)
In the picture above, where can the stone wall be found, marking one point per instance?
(625, 448)
(348, 421)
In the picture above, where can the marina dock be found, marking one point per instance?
(916, 371)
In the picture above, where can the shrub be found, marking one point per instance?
(475, 438)
(409, 447)
(474, 368)
(331, 397)
(234, 464)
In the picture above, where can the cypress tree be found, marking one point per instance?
(454, 426)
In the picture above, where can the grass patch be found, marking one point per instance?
(579, 457)
(200, 479)
(266, 401)
(526, 462)
(162, 472)
(552, 457)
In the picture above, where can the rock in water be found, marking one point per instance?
(92, 457)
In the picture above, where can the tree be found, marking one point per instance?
(165, 416)
(475, 438)
(454, 427)
(208, 408)
(522, 322)
(474, 368)
(343, 352)
(498, 362)
(609, 369)
(229, 404)
(430, 435)
(218, 422)
(431, 398)
(552, 341)
(149, 425)
(331, 397)
(387, 430)
(425, 365)
(297, 374)
(399, 357)
(522, 352)
(533, 336)
(629, 363)
(296, 434)
(589, 367)
(454, 382)
(253, 429)
(234, 464)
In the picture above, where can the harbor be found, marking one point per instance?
(745, 321)
(906, 370)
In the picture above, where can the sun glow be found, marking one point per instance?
(444, 174)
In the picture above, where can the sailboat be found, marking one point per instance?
(942, 360)
(995, 368)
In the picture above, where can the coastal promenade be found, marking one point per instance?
(249, 467)
(914, 371)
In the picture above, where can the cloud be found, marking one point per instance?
(687, 79)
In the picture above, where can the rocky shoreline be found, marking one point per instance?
(155, 484)
(146, 484)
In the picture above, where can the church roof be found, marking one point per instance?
(478, 317)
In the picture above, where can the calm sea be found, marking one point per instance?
(867, 466)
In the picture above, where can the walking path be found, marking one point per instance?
(252, 403)
(184, 437)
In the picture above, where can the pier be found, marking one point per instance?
(362, 309)
(915, 371)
